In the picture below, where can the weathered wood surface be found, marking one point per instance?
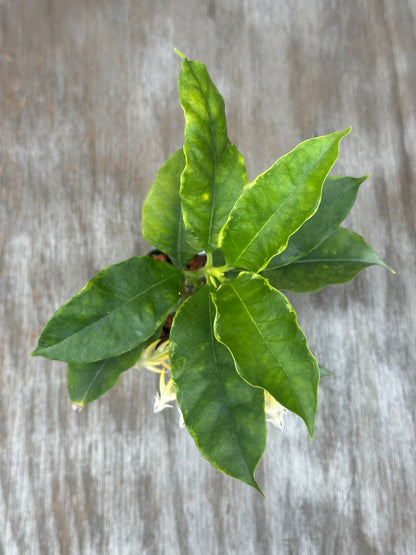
(88, 112)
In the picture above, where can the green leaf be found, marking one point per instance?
(324, 371)
(277, 203)
(259, 327)
(224, 415)
(215, 173)
(162, 219)
(338, 197)
(337, 260)
(121, 307)
(89, 381)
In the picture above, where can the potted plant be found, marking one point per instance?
(235, 354)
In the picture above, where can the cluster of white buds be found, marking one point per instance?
(155, 358)
(274, 410)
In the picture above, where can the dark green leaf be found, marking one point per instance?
(224, 415)
(215, 173)
(162, 219)
(259, 327)
(88, 381)
(218, 258)
(337, 260)
(338, 197)
(277, 203)
(121, 307)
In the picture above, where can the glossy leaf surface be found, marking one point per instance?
(338, 197)
(89, 381)
(162, 219)
(224, 415)
(121, 307)
(337, 260)
(259, 327)
(277, 203)
(215, 172)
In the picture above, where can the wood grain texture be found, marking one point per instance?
(88, 112)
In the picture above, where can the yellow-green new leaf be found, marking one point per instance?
(224, 415)
(337, 260)
(258, 325)
(277, 203)
(215, 173)
(162, 219)
(121, 307)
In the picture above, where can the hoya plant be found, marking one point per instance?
(221, 334)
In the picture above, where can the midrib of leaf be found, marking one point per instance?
(334, 260)
(270, 267)
(263, 226)
(93, 381)
(281, 206)
(178, 243)
(295, 259)
(214, 178)
(270, 349)
(229, 417)
(299, 256)
(110, 314)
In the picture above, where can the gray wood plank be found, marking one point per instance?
(88, 113)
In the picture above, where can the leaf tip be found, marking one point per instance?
(324, 371)
(387, 267)
(180, 54)
(347, 131)
(259, 490)
(252, 482)
(310, 425)
(360, 180)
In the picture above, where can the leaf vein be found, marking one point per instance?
(284, 200)
(221, 384)
(214, 153)
(92, 381)
(311, 260)
(111, 313)
(270, 349)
